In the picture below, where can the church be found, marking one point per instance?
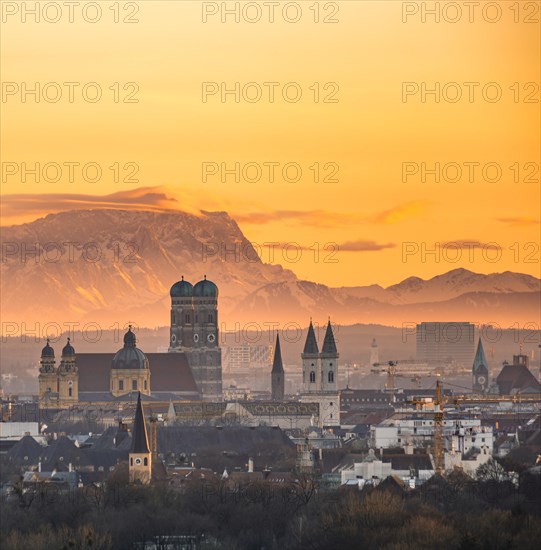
(191, 370)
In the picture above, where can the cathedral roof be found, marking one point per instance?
(68, 350)
(329, 345)
(181, 289)
(47, 351)
(205, 289)
(277, 365)
(129, 357)
(310, 346)
(139, 434)
(170, 372)
(480, 359)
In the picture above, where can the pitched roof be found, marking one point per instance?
(139, 437)
(517, 378)
(480, 359)
(277, 365)
(26, 451)
(169, 372)
(310, 346)
(329, 345)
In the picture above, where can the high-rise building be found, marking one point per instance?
(452, 342)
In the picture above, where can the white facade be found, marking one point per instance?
(460, 434)
(17, 430)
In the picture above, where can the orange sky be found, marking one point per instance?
(369, 133)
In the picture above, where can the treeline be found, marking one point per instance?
(453, 513)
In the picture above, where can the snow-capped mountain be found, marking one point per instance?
(114, 266)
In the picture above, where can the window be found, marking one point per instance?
(331, 376)
(312, 376)
(146, 461)
(145, 384)
(187, 318)
(134, 384)
(210, 318)
(70, 392)
(121, 385)
(131, 461)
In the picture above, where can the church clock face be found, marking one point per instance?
(138, 462)
(211, 338)
(173, 338)
(481, 380)
(196, 337)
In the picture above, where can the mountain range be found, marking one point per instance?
(115, 266)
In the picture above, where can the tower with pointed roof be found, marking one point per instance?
(310, 363)
(68, 377)
(277, 374)
(48, 378)
(140, 457)
(329, 361)
(320, 376)
(480, 370)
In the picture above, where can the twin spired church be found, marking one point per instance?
(191, 370)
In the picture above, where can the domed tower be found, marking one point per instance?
(329, 361)
(48, 378)
(68, 376)
(129, 369)
(205, 307)
(182, 316)
(310, 362)
(205, 355)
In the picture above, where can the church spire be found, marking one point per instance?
(480, 358)
(277, 365)
(310, 346)
(139, 436)
(329, 345)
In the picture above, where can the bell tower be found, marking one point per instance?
(277, 375)
(68, 377)
(310, 362)
(182, 316)
(140, 458)
(329, 361)
(48, 378)
(480, 370)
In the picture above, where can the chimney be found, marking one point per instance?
(251, 465)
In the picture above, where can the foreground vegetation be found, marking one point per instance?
(454, 514)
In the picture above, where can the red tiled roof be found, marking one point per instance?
(169, 372)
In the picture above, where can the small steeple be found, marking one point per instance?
(139, 435)
(277, 365)
(480, 358)
(329, 345)
(310, 346)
